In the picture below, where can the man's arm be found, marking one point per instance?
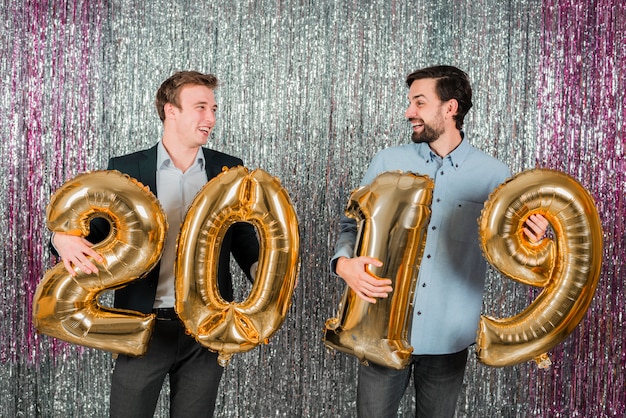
(353, 269)
(75, 252)
(354, 272)
(366, 286)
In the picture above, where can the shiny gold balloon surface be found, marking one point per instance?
(237, 196)
(392, 214)
(567, 268)
(67, 307)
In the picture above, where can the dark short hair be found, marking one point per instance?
(169, 91)
(452, 83)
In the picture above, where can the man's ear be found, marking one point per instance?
(452, 107)
(170, 111)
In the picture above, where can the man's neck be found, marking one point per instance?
(182, 157)
(446, 143)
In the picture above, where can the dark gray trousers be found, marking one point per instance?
(438, 380)
(193, 371)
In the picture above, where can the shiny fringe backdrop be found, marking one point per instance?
(310, 91)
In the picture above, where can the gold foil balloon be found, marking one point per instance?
(67, 307)
(567, 268)
(237, 196)
(392, 214)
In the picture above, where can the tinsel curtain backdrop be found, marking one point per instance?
(310, 91)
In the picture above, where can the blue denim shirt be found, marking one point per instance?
(451, 280)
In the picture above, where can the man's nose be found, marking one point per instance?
(410, 112)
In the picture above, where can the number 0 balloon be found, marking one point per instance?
(236, 196)
(66, 307)
(567, 268)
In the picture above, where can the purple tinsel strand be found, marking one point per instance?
(65, 50)
(579, 108)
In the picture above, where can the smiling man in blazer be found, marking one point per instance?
(175, 169)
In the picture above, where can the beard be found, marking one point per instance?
(428, 135)
(430, 132)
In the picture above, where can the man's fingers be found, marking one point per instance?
(365, 297)
(536, 227)
(375, 288)
(366, 260)
(95, 256)
(530, 235)
(538, 223)
(69, 268)
(84, 264)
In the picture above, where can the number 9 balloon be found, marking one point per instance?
(567, 268)
(66, 307)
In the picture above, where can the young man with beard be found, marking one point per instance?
(175, 169)
(448, 295)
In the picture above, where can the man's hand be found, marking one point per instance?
(366, 286)
(74, 251)
(536, 227)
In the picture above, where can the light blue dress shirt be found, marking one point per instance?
(451, 280)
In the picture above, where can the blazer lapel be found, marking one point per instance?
(147, 169)
(212, 167)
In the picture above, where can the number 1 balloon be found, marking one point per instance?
(392, 214)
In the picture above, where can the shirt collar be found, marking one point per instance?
(459, 154)
(164, 159)
(454, 159)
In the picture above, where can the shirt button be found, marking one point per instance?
(433, 228)
(419, 312)
(438, 200)
(441, 172)
(423, 284)
(428, 256)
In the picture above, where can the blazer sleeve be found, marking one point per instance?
(241, 237)
(99, 229)
(245, 246)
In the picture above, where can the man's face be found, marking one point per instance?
(195, 119)
(425, 111)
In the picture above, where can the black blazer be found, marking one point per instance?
(240, 239)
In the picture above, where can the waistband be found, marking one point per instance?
(165, 314)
